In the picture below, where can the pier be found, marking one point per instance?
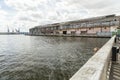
(100, 66)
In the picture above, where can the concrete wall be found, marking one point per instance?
(68, 32)
(91, 31)
(96, 66)
(113, 28)
(106, 29)
(78, 32)
(73, 31)
(104, 34)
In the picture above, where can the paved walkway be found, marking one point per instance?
(115, 68)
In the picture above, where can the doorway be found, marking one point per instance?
(64, 32)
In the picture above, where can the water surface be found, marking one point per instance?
(44, 58)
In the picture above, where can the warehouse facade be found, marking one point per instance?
(102, 25)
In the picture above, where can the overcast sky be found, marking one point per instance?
(25, 14)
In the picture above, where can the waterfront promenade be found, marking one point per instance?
(100, 66)
(115, 70)
(115, 67)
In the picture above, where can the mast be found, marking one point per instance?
(13, 30)
(18, 29)
(8, 29)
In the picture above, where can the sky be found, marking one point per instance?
(25, 14)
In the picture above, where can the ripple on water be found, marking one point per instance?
(44, 58)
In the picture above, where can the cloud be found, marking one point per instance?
(2, 12)
(36, 12)
(55, 10)
(3, 16)
(2, 22)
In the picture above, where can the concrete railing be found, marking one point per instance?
(97, 66)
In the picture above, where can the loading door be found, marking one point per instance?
(64, 32)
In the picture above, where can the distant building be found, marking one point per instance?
(103, 25)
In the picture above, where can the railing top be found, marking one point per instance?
(95, 66)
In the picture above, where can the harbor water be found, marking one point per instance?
(44, 58)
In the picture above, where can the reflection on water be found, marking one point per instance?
(44, 58)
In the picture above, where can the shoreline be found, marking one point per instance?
(88, 36)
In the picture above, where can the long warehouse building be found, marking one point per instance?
(103, 25)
